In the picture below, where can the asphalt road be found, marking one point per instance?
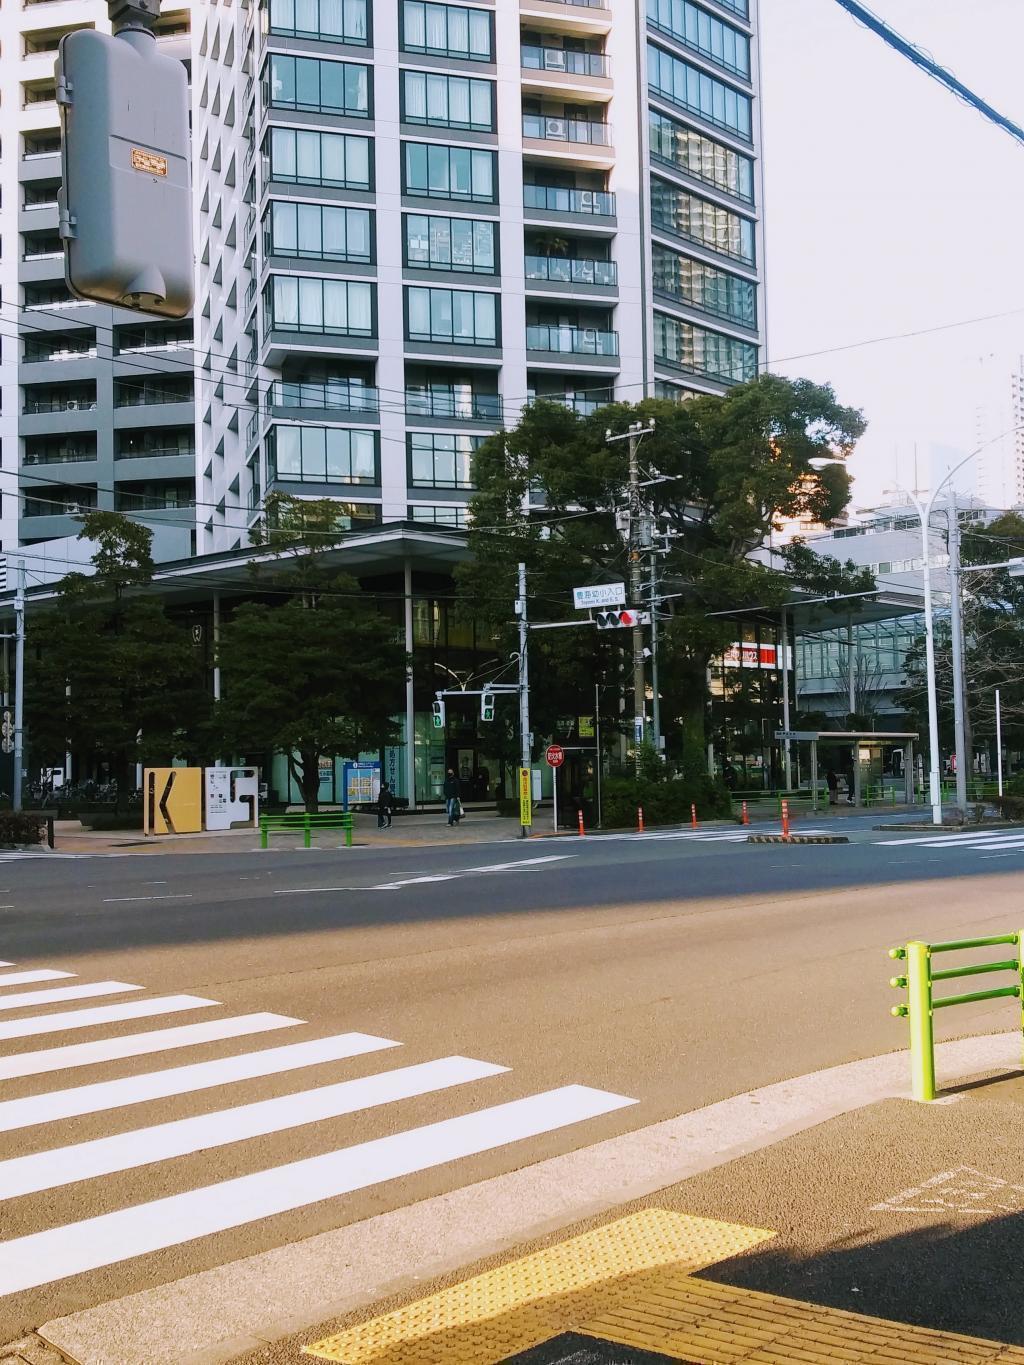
(145, 1135)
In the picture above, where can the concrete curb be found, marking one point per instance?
(211, 1317)
(797, 839)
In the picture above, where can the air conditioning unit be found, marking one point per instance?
(555, 128)
(586, 201)
(31, 459)
(554, 59)
(71, 405)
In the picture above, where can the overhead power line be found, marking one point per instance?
(927, 64)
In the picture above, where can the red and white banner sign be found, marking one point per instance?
(746, 654)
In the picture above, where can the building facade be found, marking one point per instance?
(96, 404)
(413, 218)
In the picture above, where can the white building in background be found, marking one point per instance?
(97, 403)
(416, 217)
(998, 413)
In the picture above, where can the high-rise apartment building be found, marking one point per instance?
(416, 217)
(97, 403)
(999, 431)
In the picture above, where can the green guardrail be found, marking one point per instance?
(306, 824)
(922, 1002)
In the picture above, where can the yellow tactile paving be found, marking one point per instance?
(526, 1301)
(632, 1282)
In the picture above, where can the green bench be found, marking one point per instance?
(302, 822)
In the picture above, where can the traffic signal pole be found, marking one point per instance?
(19, 686)
(526, 739)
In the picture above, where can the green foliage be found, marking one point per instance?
(21, 827)
(731, 467)
(664, 802)
(1010, 807)
(322, 674)
(109, 675)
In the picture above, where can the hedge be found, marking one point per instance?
(1009, 807)
(664, 803)
(21, 827)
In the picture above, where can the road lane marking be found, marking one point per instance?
(950, 840)
(26, 978)
(56, 1253)
(23, 998)
(184, 1080)
(101, 1014)
(528, 863)
(127, 1151)
(139, 1044)
(124, 900)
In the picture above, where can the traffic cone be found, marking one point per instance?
(745, 818)
(693, 814)
(581, 829)
(640, 818)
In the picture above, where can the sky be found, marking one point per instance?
(892, 207)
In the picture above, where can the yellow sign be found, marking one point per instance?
(172, 800)
(586, 727)
(525, 802)
(150, 162)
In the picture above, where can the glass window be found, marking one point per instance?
(698, 93)
(450, 172)
(449, 243)
(703, 158)
(694, 348)
(711, 226)
(318, 231)
(344, 307)
(320, 87)
(446, 514)
(441, 460)
(462, 317)
(448, 101)
(447, 31)
(340, 21)
(704, 287)
(307, 158)
(695, 28)
(322, 454)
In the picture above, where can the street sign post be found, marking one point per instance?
(599, 595)
(525, 800)
(796, 734)
(555, 756)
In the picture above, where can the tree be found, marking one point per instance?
(320, 674)
(109, 676)
(728, 468)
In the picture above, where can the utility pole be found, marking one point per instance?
(19, 685)
(656, 708)
(634, 435)
(957, 633)
(525, 738)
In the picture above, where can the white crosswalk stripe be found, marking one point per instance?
(38, 1249)
(980, 840)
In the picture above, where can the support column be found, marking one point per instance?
(783, 661)
(814, 774)
(908, 771)
(852, 664)
(410, 701)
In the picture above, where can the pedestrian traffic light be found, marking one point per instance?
(438, 714)
(487, 706)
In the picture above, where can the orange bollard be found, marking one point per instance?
(744, 818)
(693, 814)
(785, 819)
(640, 818)
(582, 830)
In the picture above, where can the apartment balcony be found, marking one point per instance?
(582, 18)
(43, 420)
(324, 400)
(576, 277)
(145, 416)
(42, 269)
(564, 207)
(433, 405)
(576, 141)
(155, 464)
(40, 216)
(560, 344)
(560, 72)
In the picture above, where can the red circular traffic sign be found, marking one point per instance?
(555, 755)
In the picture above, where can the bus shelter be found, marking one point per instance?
(867, 755)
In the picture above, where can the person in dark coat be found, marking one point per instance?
(832, 782)
(385, 803)
(451, 797)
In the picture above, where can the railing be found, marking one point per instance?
(556, 199)
(306, 824)
(42, 255)
(584, 4)
(922, 1002)
(478, 407)
(31, 205)
(253, 429)
(562, 270)
(585, 405)
(342, 394)
(554, 129)
(154, 453)
(559, 59)
(572, 340)
(33, 405)
(61, 457)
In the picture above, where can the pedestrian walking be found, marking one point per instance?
(385, 804)
(451, 797)
(832, 782)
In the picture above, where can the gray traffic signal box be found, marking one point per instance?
(126, 200)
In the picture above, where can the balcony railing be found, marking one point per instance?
(453, 403)
(72, 404)
(59, 457)
(559, 59)
(343, 394)
(556, 199)
(155, 453)
(571, 340)
(561, 270)
(555, 129)
(585, 4)
(586, 404)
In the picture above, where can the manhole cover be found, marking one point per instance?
(573, 1349)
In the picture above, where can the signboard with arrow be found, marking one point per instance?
(172, 800)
